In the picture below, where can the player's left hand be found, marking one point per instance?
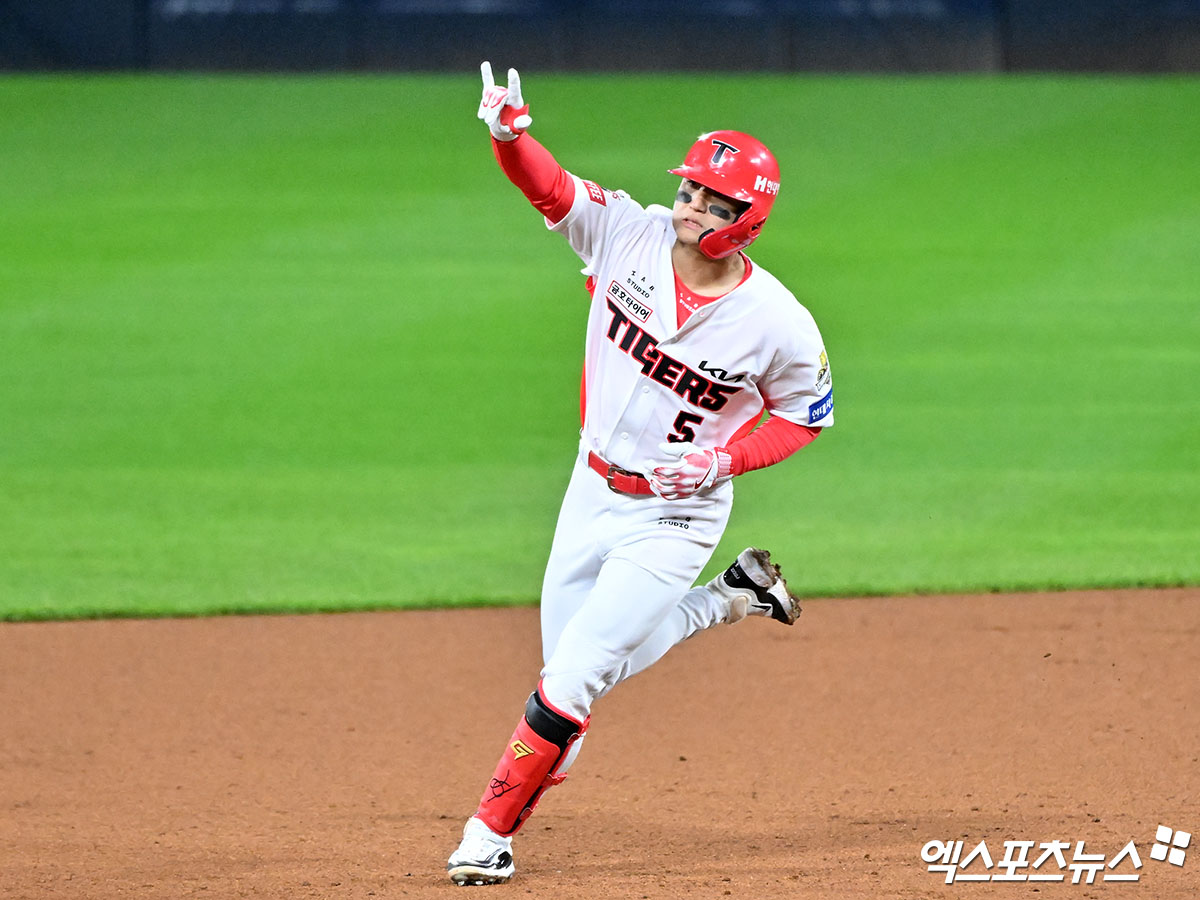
(693, 471)
(502, 108)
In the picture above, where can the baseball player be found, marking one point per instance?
(688, 344)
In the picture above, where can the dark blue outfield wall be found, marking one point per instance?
(773, 35)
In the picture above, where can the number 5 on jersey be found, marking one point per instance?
(684, 433)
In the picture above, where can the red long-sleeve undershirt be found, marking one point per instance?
(551, 190)
(532, 168)
(772, 442)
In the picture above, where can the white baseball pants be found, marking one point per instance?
(618, 591)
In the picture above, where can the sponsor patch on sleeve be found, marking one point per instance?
(821, 408)
(595, 193)
(823, 372)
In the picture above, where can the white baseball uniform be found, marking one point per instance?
(618, 592)
(618, 589)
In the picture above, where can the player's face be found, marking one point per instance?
(699, 209)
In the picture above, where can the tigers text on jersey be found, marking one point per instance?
(647, 380)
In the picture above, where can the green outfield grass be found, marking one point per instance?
(296, 344)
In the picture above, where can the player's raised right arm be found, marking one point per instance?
(528, 165)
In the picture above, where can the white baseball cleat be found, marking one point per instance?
(754, 586)
(483, 857)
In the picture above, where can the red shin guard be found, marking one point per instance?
(530, 764)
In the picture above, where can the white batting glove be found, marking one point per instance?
(696, 470)
(502, 108)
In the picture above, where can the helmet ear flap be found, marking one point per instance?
(720, 243)
(717, 243)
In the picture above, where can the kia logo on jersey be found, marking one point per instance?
(720, 151)
(717, 372)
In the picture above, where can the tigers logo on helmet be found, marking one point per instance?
(720, 151)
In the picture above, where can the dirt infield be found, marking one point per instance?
(336, 756)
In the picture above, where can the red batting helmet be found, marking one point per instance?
(738, 166)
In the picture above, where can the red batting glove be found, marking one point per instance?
(696, 470)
